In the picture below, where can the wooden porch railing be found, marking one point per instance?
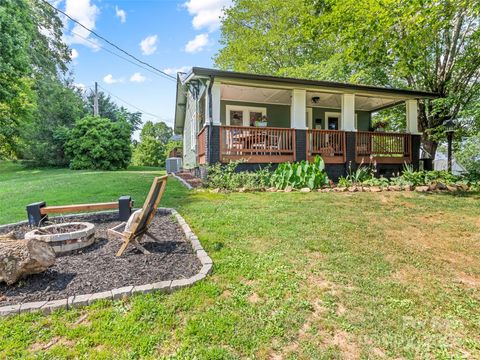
(391, 148)
(329, 144)
(257, 145)
(202, 146)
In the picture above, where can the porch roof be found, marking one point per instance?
(199, 72)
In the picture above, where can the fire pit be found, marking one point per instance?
(65, 237)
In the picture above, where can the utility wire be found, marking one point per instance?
(109, 42)
(120, 56)
(126, 102)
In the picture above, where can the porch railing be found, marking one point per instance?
(329, 144)
(202, 146)
(257, 145)
(383, 147)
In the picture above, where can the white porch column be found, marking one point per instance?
(206, 110)
(298, 109)
(348, 112)
(412, 116)
(216, 96)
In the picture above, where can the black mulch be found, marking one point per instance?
(96, 268)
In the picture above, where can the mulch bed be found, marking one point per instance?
(195, 182)
(96, 268)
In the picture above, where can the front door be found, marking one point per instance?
(332, 121)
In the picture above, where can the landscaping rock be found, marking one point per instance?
(353, 189)
(340, 189)
(242, 190)
(19, 258)
(367, 189)
(288, 189)
(375, 189)
(452, 188)
(394, 187)
(462, 187)
(271, 189)
(422, 189)
(305, 190)
(441, 186)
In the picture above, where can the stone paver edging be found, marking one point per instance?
(183, 181)
(166, 286)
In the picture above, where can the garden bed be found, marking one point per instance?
(96, 268)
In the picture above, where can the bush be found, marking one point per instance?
(226, 177)
(300, 175)
(98, 143)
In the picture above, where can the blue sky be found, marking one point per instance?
(168, 34)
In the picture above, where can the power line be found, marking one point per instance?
(108, 41)
(126, 102)
(120, 56)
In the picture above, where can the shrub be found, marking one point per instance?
(300, 175)
(226, 177)
(98, 143)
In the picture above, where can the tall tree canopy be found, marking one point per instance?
(31, 49)
(107, 108)
(423, 44)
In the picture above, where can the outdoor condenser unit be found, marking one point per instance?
(173, 164)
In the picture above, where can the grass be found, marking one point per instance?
(296, 276)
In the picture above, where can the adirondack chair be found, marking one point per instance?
(137, 225)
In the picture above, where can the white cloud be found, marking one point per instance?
(137, 77)
(85, 13)
(109, 79)
(197, 44)
(74, 54)
(121, 14)
(174, 71)
(80, 86)
(149, 45)
(207, 13)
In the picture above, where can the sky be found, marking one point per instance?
(170, 35)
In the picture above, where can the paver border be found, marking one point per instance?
(183, 181)
(165, 286)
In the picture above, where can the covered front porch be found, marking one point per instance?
(260, 124)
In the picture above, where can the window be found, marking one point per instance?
(243, 115)
(333, 121)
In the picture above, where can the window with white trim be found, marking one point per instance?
(243, 115)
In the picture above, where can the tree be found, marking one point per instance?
(425, 45)
(31, 47)
(469, 154)
(151, 151)
(107, 108)
(60, 105)
(99, 143)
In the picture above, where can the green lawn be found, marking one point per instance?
(296, 276)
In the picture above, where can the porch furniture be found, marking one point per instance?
(257, 144)
(138, 224)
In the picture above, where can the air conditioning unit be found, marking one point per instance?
(173, 164)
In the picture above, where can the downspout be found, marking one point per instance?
(210, 127)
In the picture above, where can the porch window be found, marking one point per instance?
(243, 115)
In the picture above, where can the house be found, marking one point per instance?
(226, 116)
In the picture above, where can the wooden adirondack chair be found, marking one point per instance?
(137, 225)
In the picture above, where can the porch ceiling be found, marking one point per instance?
(283, 97)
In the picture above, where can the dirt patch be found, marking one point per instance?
(254, 298)
(349, 349)
(96, 268)
(469, 280)
(54, 342)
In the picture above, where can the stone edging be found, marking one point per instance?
(166, 286)
(184, 182)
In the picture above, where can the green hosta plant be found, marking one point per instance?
(300, 175)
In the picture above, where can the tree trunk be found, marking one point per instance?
(429, 146)
(19, 258)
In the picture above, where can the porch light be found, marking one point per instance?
(449, 129)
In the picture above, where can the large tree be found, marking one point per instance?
(31, 49)
(423, 44)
